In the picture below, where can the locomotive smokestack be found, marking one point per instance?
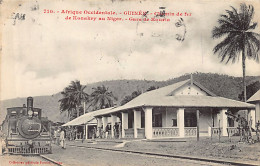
(29, 103)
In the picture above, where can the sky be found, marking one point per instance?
(44, 52)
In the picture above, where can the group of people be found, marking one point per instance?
(100, 133)
(59, 137)
(61, 134)
(71, 133)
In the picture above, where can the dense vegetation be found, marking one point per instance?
(221, 85)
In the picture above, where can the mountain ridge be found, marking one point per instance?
(220, 84)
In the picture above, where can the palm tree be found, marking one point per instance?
(66, 104)
(102, 98)
(73, 96)
(237, 28)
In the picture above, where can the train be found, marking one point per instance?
(26, 131)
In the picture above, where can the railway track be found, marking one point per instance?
(202, 161)
(51, 160)
(33, 159)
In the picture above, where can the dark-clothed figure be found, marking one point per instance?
(107, 130)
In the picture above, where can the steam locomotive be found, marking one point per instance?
(26, 131)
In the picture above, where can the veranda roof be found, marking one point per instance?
(255, 97)
(162, 97)
(86, 118)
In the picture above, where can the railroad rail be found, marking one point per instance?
(213, 161)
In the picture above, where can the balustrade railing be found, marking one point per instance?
(232, 131)
(165, 132)
(190, 131)
(140, 133)
(216, 130)
(129, 133)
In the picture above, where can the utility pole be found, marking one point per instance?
(198, 124)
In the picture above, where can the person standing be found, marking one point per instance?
(62, 139)
(55, 136)
(107, 130)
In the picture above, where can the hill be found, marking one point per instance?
(221, 85)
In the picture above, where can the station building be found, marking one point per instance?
(86, 124)
(173, 111)
(255, 99)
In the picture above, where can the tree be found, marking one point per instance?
(128, 98)
(250, 90)
(73, 96)
(237, 28)
(102, 98)
(151, 88)
(67, 104)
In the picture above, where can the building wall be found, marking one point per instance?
(190, 90)
(167, 115)
(171, 113)
(164, 117)
(205, 120)
(215, 120)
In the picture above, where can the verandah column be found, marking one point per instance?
(251, 116)
(104, 120)
(223, 121)
(124, 123)
(180, 121)
(99, 125)
(99, 122)
(137, 122)
(113, 121)
(86, 131)
(148, 122)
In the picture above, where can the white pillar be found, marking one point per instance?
(99, 122)
(209, 131)
(99, 125)
(180, 121)
(104, 120)
(251, 116)
(223, 121)
(86, 131)
(113, 121)
(137, 122)
(148, 122)
(124, 123)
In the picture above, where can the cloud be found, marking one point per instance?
(43, 53)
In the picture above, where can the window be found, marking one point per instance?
(190, 119)
(142, 120)
(130, 120)
(157, 120)
(230, 122)
(174, 122)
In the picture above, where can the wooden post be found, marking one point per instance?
(198, 129)
(219, 131)
(212, 123)
(229, 136)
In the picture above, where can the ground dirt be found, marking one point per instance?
(205, 147)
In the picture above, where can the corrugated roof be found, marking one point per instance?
(86, 118)
(160, 97)
(255, 97)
